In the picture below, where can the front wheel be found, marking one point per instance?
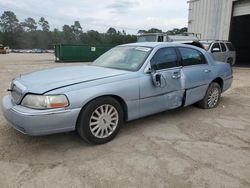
(100, 121)
(212, 97)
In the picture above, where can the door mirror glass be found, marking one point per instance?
(215, 50)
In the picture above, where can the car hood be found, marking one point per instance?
(50, 79)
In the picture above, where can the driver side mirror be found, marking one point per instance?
(156, 77)
(215, 50)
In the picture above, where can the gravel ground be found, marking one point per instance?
(187, 147)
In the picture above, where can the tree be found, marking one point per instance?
(30, 24)
(26, 36)
(111, 31)
(44, 24)
(11, 29)
(124, 32)
(177, 31)
(68, 34)
(154, 30)
(9, 22)
(141, 31)
(1, 37)
(77, 26)
(56, 36)
(76, 30)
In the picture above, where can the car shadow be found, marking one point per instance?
(23, 148)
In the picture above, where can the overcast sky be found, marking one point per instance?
(130, 15)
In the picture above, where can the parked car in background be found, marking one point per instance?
(222, 50)
(4, 50)
(51, 51)
(7, 49)
(37, 50)
(127, 82)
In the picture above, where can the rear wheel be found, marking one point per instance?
(100, 121)
(230, 61)
(212, 97)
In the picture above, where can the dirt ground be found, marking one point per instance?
(187, 147)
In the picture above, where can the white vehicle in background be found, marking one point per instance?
(163, 37)
(7, 48)
(222, 50)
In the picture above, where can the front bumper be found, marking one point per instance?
(39, 122)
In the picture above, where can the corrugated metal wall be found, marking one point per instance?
(241, 8)
(210, 18)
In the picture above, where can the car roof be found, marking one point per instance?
(210, 41)
(145, 34)
(160, 44)
(163, 44)
(152, 44)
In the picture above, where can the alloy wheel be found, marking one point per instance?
(213, 97)
(104, 121)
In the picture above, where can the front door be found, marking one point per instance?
(169, 93)
(216, 51)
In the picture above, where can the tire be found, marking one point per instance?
(212, 97)
(100, 120)
(230, 61)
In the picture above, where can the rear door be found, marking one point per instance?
(224, 52)
(196, 72)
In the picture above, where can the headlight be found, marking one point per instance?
(45, 101)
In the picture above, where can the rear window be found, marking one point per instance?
(230, 46)
(191, 57)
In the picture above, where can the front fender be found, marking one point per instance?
(127, 90)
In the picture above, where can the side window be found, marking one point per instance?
(191, 57)
(223, 47)
(215, 47)
(164, 58)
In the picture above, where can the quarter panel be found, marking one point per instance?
(192, 96)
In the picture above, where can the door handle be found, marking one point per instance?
(207, 70)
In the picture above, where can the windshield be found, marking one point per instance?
(146, 38)
(125, 58)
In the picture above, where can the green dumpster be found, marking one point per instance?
(79, 52)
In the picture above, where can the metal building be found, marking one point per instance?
(222, 20)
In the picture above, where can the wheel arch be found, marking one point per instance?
(117, 98)
(220, 81)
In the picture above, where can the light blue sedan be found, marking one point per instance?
(128, 82)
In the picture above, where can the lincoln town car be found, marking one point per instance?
(128, 82)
